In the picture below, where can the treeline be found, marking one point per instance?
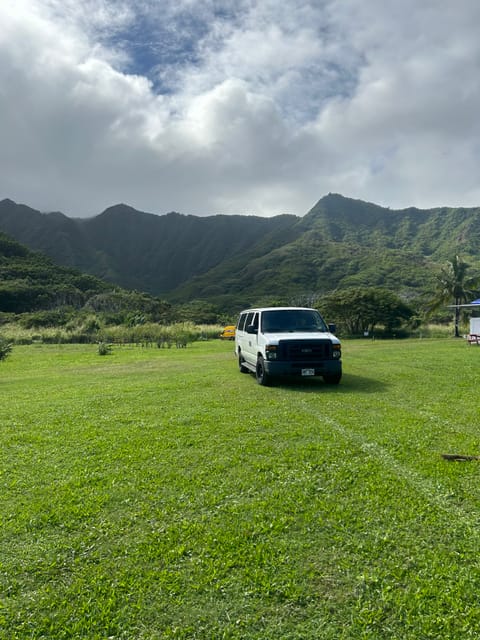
(133, 317)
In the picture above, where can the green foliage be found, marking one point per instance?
(149, 334)
(88, 330)
(19, 296)
(45, 295)
(454, 285)
(90, 324)
(52, 318)
(30, 282)
(104, 349)
(5, 348)
(131, 307)
(198, 311)
(311, 264)
(356, 311)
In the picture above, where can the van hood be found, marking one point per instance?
(274, 338)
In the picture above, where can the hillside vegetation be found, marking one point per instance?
(39, 293)
(235, 261)
(31, 281)
(139, 250)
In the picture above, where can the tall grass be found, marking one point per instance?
(148, 333)
(159, 494)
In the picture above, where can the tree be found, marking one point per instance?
(359, 309)
(454, 284)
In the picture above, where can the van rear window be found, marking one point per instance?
(249, 319)
(241, 321)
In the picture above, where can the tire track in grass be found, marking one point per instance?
(428, 488)
(416, 554)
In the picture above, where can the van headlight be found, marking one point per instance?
(271, 351)
(336, 351)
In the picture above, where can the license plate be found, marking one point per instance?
(308, 372)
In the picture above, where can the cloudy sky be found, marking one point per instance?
(238, 106)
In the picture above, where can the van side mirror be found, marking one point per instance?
(332, 328)
(251, 328)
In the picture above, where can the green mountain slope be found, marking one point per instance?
(309, 266)
(343, 242)
(139, 250)
(433, 232)
(30, 281)
(235, 261)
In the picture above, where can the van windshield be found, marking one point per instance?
(286, 320)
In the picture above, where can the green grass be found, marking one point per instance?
(157, 494)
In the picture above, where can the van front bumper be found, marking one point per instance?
(325, 367)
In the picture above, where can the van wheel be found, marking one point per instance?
(241, 366)
(262, 376)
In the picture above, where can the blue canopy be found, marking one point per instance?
(469, 304)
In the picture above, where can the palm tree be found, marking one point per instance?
(454, 284)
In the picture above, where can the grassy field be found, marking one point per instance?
(157, 494)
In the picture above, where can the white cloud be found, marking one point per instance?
(248, 106)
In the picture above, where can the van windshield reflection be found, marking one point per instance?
(288, 320)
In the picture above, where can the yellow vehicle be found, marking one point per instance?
(228, 332)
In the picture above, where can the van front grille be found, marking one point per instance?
(305, 350)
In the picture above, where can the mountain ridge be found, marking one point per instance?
(237, 260)
(135, 249)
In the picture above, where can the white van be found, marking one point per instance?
(287, 341)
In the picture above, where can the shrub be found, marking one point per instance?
(5, 348)
(104, 349)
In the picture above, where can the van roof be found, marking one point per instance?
(278, 309)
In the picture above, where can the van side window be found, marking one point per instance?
(249, 319)
(241, 321)
(255, 321)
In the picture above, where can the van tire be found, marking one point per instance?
(261, 375)
(241, 366)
